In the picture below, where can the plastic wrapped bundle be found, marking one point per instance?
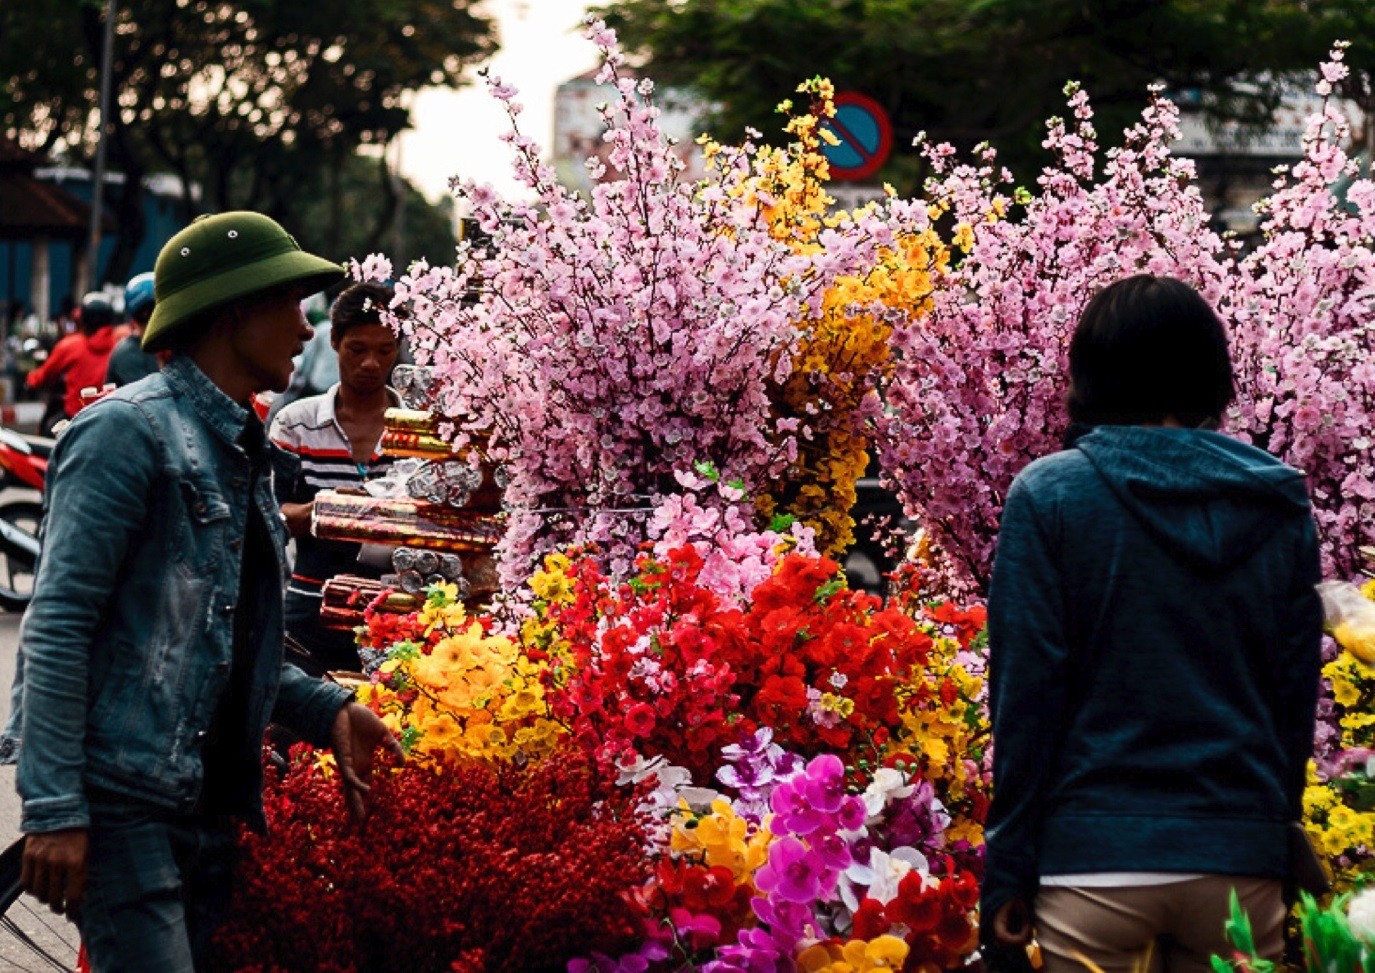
(475, 573)
(459, 484)
(417, 385)
(1350, 617)
(403, 522)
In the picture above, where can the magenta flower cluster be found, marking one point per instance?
(810, 812)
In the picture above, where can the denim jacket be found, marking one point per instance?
(126, 647)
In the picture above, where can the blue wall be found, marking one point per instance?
(16, 259)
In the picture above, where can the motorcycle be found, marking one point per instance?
(24, 460)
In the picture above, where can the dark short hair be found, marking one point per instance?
(1149, 348)
(361, 303)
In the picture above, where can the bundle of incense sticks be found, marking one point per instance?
(346, 596)
(398, 521)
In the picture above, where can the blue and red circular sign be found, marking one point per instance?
(865, 134)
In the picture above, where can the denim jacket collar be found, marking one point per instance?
(217, 410)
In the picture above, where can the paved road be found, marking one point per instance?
(49, 930)
(9, 802)
(9, 646)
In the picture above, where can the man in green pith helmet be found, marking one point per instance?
(152, 651)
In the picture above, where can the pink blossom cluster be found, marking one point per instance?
(717, 520)
(1302, 308)
(599, 345)
(980, 386)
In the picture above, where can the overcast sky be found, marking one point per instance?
(457, 132)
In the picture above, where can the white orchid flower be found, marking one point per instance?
(881, 877)
(889, 784)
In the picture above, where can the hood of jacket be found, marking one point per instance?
(1209, 498)
(103, 340)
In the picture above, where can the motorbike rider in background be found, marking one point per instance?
(79, 360)
(129, 362)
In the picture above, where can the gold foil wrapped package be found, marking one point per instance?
(403, 522)
(418, 444)
(411, 420)
(413, 432)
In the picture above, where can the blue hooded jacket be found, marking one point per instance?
(1154, 659)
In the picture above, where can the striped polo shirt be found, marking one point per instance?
(310, 429)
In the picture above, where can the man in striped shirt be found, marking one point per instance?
(337, 437)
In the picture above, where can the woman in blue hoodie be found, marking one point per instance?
(1154, 653)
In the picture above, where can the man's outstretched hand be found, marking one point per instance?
(53, 868)
(355, 736)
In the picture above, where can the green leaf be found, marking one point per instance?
(404, 651)
(706, 468)
(829, 588)
(782, 523)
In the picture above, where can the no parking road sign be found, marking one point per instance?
(865, 134)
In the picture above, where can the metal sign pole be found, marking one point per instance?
(98, 183)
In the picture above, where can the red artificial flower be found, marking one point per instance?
(915, 906)
(494, 868)
(639, 720)
(871, 920)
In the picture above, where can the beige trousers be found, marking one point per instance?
(1173, 928)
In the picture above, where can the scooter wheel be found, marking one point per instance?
(17, 569)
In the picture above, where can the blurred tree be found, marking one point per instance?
(249, 100)
(356, 227)
(1302, 30)
(966, 71)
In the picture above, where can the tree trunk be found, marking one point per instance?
(132, 223)
(336, 204)
(387, 212)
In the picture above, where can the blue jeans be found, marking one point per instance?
(159, 886)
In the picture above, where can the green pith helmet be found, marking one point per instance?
(223, 258)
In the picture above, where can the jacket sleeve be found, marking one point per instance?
(1027, 695)
(309, 705)
(1300, 667)
(58, 361)
(101, 495)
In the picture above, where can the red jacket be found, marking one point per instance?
(80, 361)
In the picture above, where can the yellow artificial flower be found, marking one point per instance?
(722, 838)
(1358, 640)
(841, 354)
(476, 695)
(1344, 691)
(442, 732)
(882, 953)
(842, 706)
